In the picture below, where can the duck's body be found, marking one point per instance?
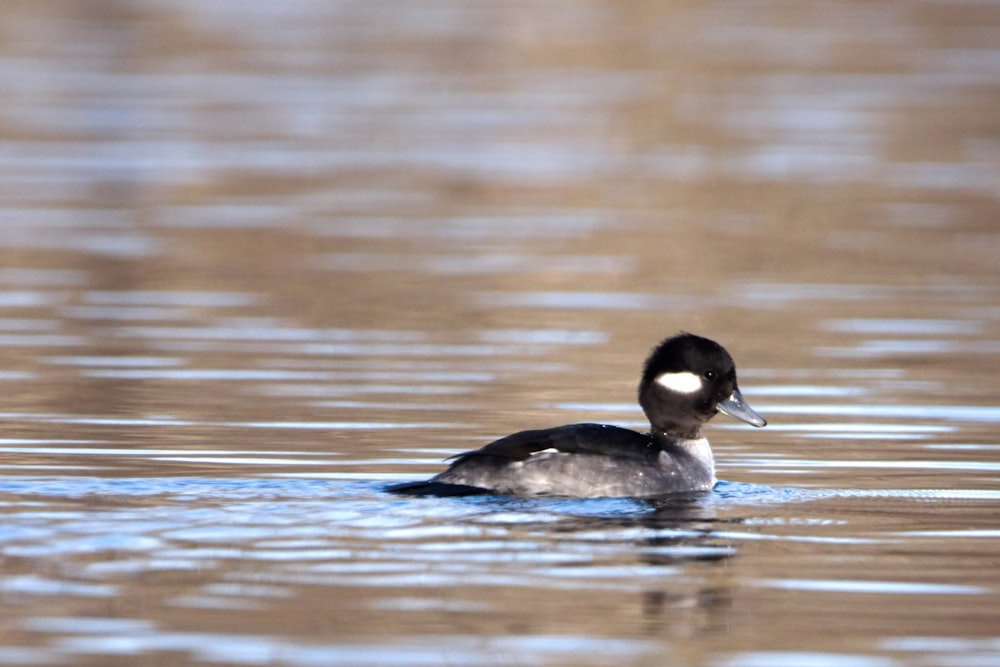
(686, 381)
(585, 460)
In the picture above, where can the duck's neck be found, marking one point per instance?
(678, 433)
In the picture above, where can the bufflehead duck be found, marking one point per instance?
(687, 379)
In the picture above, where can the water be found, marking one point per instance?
(258, 263)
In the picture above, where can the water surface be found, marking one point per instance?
(258, 263)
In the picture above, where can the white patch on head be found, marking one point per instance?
(684, 382)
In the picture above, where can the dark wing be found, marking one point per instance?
(596, 439)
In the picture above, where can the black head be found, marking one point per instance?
(686, 381)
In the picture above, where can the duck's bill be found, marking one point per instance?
(735, 406)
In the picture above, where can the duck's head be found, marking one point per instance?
(686, 381)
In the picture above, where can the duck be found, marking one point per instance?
(686, 380)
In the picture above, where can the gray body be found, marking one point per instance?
(671, 466)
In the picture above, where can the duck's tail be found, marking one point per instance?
(432, 488)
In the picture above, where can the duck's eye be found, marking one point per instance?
(710, 374)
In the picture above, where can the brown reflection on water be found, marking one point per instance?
(257, 260)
